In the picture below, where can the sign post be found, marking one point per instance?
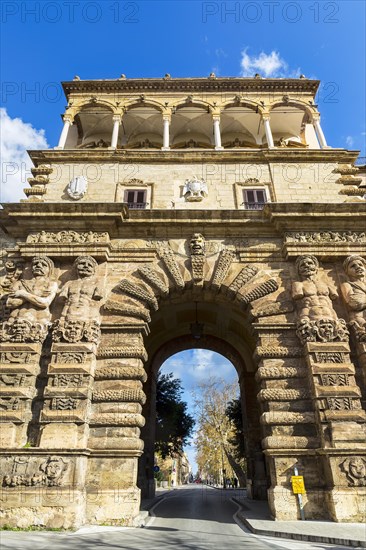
(298, 488)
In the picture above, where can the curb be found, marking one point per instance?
(296, 536)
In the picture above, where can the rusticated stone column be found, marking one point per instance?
(115, 424)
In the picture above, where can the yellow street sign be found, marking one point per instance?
(298, 485)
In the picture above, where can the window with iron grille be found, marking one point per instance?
(254, 199)
(135, 198)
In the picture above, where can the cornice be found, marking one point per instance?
(188, 156)
(183, 85)
(21, 219)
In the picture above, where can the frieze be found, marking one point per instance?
(9, 403)
(290, 442)
(115, 372)
(64, 403)
(279, 394)
(120, 395)
(137, 352)
(337, 379)
(50, 473)
(269, 373)
(68, 237)
(118, 419)
(73, 380)
(278, 352)
(70, 357)
(285, 417)
(326, 237)
(342, 403)
(355, 470)
(14, 379)
(330, 357)
(16, 357)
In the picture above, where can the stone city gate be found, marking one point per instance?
(122, 234)
(73, 398)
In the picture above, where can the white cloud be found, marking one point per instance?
(16, 137)
(268, 65)
(350, 141)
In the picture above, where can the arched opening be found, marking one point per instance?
(191, 127)
(292, 127)
(92, 128)
(141, 128)
(241, 127)
(224, 331)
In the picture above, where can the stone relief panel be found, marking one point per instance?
(317, 319)
(28, 304)
(355, 470)
(354, 294)
(36, 472)
(80, 317)
(68, 237)
(326, 237)
(195, 190)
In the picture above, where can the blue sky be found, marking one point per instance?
(195, 366)
(45, 42)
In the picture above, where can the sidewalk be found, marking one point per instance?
(255, 515)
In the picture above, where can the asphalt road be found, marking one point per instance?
(194, 517)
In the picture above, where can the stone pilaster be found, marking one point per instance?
(67, 397)
(19, 367)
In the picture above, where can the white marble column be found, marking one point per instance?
(319, 134)
(166, 137)
(116, 125)
(64, 133)
(217, 133)
(267, 129)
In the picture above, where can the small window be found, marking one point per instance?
(254, 199)
(135, 198)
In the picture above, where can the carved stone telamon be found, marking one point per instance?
(317, 319)
(80, 318)
(29, 302)
(354, 294)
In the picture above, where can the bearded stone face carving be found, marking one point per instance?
(80, 318)
(354, 294)
(318, 320)
(29, 302)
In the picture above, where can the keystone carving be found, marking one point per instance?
(317, 319)
(29, 303)
(198, 257)
(355, 470)
(354, 294)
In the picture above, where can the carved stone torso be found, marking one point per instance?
(82, 299)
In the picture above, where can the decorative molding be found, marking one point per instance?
(129, 395)
(118, 419)
(115, 372)
(133, 352)
(278, 352)
(261, 290)
(152, 278)
(137, 292)
(168, 258)
(279, 394)
(222, 267)
(279, 417)
(244, 276)
(268, 373)
(68, 237)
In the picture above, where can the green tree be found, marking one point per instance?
(174, 426)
